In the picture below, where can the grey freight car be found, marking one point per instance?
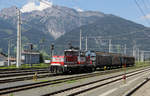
(112, 60)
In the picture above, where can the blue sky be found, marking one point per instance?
(123, 8)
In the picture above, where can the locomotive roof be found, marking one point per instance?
(71, 50)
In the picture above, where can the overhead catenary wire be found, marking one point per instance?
(142, 12)
(145, 6)
(148, 1)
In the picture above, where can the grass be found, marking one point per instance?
(142, 64)
(137, 65)
(41, 65)
(71, 81)
(11, 94)
(42, 80)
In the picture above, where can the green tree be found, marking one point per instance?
(1, 50)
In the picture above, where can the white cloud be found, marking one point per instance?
(79, 9)
(31, 6)
(146, 17)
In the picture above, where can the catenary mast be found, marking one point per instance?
(18, 39)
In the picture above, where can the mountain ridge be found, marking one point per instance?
(59, 24)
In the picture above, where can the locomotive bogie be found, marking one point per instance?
(71, 68)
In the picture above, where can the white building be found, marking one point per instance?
(30, 57)
(3, 60)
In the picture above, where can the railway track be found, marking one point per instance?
(7, 76)
(137, 87)
(20, 77)
(57, 81)
(76, 90)
(22, 73)
(11, 71)
(20, 69)
(29, 77)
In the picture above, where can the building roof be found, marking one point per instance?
(2, 57)
(30, 52)
(12, 59)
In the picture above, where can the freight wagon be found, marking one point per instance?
(112, 60)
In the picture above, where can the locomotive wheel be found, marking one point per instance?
(55, 69)
(52, 69)
(91, 69)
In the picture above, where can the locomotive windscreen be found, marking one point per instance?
(71, 53)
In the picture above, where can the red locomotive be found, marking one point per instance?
(72, 61)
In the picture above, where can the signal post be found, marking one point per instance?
(124, 76)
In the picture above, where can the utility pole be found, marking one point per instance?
(125, 49)
(134, 51)
(142, 56)
(86, 44)
(80, 39)
(9, 53)
(118, 48)
(52, 50)
(31, 48)
(110, 45)
(18, 40)
(138, 54)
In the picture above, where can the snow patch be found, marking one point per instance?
(32, 6)
(56, 34)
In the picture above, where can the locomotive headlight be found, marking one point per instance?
(65, 65)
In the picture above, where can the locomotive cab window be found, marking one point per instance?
(71, 53)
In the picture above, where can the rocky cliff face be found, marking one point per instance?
(61, 25)
(55, 21)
